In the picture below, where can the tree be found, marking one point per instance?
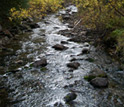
(6, 5)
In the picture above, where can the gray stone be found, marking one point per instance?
(85, 50)
(74, 65)
(97, 73)
(70, 97)
(40, 63)
(64, 42)
(59, 47)
(99, 82)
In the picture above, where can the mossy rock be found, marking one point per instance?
(95, 73)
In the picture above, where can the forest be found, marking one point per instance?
(61, 53)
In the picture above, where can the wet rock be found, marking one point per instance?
(73, 59)
(66, 17)
(14, 71)
(70, 25)
(95, 73)
(65, 32)
(74, 65)
(59, 47)
(34, 25)
(70, 97)
(64, 42)
(86, 44)
(85, 50)
(56, 27)
(99, 82)
(42, 34)
(40, 63)
(77, 39)
(47, 22)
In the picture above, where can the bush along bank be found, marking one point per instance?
(23, 19)
(104, 20)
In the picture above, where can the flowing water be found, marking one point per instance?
(43, 87)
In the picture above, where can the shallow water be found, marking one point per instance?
(43, 87)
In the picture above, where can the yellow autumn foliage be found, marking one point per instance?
(37, 9)
(101, 14)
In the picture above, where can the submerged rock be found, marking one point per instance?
(70, 97)
(74, 65)
(40, 63)
(99, 82)
(59, 47)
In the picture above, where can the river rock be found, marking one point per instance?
(86, 44)
(46, 22)
(95, 73)
(59, 47)
(70, 97)
(34, 25)
(74, 65)
(40, 63)
(85, 50)
(99, 82)
(66, 17)
(64, 42)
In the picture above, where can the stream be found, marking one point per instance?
(46, 87)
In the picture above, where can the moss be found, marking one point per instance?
(90, 77)
(43, 69)
(31, 65)
(90, 60)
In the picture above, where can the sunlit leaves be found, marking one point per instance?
(37, 9)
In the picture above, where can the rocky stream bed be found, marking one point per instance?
(49, 67)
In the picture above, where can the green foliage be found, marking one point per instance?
(118, 34)
(101, 14)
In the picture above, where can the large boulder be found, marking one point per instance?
(40, 63)
(95, 73)
(70, 97)
(59, 47)
(99, 82)
(74, 65)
